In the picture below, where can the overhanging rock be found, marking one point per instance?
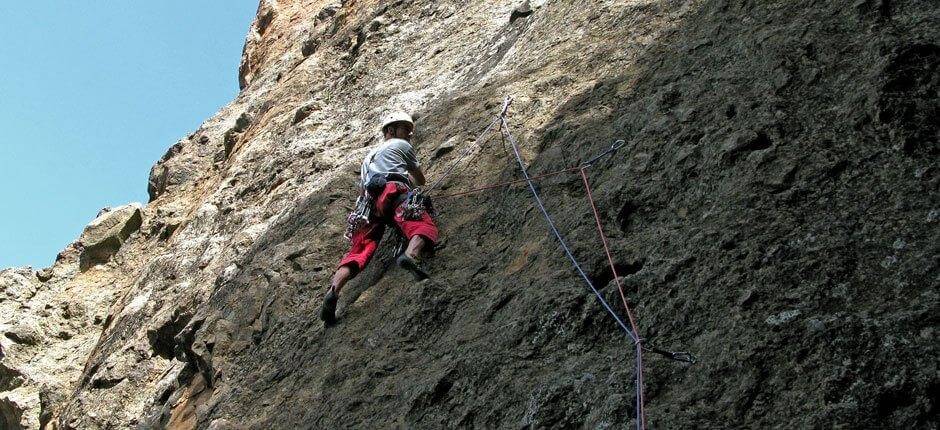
(104, 236)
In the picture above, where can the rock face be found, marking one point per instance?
(49, 321)
(104, 236)
(775, 214)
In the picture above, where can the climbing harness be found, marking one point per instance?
(365, 203)
(630, 326)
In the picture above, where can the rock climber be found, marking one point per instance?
(389, 172)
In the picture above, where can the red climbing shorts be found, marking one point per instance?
(366, 240)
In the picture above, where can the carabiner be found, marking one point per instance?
(684, 356)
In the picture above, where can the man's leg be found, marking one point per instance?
(420, 232)
(342, 275)
(363, 246)
(361, 249)
(415, 245)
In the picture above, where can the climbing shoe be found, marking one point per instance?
(411, 265)
(328, 309)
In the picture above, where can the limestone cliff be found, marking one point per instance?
(776, 213)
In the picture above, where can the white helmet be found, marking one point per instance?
(394, 117)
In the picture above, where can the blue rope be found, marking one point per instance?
(504, 128)
(551, 224)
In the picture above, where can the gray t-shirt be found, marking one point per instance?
(392, 156)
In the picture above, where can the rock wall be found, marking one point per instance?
(52, 318)
(776, 213)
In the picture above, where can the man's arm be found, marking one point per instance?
(417, 176)
(411, 163)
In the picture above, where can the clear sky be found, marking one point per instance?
(92, 93)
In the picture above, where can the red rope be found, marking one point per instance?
(640, 401)
(623, 297)
(641, 412)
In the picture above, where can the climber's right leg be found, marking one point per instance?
(342, 275)
(363, 246)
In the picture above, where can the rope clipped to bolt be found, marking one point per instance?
(468, 151)
(610, 151)
(632, 331)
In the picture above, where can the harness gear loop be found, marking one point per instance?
(416, 204)
(359, 217)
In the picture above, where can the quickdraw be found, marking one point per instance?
(359, 217)
(416, 204)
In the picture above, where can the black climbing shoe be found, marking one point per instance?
(328, 309)
(409, 264)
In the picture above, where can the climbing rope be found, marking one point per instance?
(632, 331)
(641, 417)
(561, 240)
(469, 150)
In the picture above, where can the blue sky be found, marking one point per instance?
(92, 93)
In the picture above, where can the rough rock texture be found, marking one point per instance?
(104, 236)
(776, 213)
(49, 321)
